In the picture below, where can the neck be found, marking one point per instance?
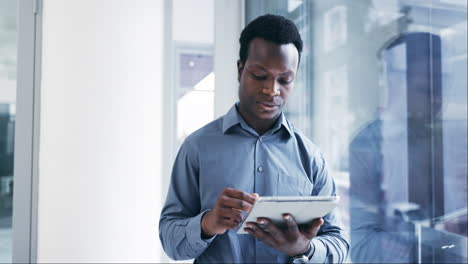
(259, 125)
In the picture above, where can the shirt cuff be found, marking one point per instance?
(320, 251)
(193, 233)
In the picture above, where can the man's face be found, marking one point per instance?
(266, 79)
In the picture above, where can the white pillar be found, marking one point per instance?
(100, 131)
(229, 22)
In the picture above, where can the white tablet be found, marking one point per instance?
(303, 208)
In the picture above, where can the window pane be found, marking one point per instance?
(195, 101)
(382, 91)
(193, 65)
(7, 122)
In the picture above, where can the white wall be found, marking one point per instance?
(192, 21)
(100, 131)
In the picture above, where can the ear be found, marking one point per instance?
(240, 69)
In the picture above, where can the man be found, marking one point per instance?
(252, 150)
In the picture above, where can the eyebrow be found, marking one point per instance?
(265, 69)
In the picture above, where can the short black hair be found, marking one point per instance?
(276, 29)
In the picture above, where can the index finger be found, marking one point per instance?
(234, 193)
(290, 223)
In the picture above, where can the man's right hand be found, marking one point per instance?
(227, 212)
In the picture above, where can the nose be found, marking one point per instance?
(271, 89)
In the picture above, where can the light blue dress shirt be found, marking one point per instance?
(229, 153)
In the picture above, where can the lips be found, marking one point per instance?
(267, 106)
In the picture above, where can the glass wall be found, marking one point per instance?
(382, 89)
(8, 17)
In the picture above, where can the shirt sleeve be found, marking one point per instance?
(180, 221)
(331, 245)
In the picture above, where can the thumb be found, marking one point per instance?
(255, 195)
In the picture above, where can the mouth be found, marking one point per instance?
(266, 106)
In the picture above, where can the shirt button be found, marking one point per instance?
(260, 139)
(260, 168)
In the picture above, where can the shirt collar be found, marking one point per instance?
(232, 118)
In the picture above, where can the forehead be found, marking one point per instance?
(282, 57)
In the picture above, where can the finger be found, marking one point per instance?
(229, 202)
(314, 227)
(310, 225)
(238, 194)
(260, 234)
(291, 223)
(231, 213)
(229, 223)
(270, 227)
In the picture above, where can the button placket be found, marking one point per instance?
(259, 168)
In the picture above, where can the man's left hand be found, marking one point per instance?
(292, 240)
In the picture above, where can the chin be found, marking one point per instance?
(268, 115)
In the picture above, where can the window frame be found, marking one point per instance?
(25, 190)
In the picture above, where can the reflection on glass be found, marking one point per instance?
(7, 123)
(383, 94)
(454, 119)
(378, 164)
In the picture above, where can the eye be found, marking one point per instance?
(285, 82)
(259, 77)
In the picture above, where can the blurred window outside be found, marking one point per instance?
(195, 89)
(8, 47)
(381, 90)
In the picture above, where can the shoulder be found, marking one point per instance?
(367, 136)
(203, 135)
(304, 142)
(194, 145)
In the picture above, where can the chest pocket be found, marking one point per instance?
(293, 186)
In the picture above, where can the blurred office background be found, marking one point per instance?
(118, 85)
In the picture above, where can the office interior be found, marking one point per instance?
(96, 97)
